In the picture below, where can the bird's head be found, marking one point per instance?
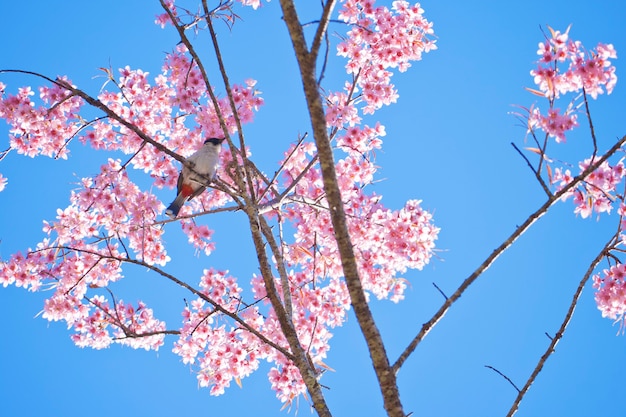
(214, 141)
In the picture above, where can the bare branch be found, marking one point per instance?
(503, 376)
(566, 320)
(440, 291)
(427, 327)
(322, 27)
(591, 129)
(545, 187)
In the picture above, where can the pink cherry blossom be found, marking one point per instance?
(3, 182)
(598, 192)
(566, 67)
(589, 70)
(382, 39)
(114, 218)
(610, 286)
(554, 124)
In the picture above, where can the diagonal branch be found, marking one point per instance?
(191, 289)
(322, 28)
(503, 376)
(520, 230)
(559, 334)
(537, 173)
(104, 108)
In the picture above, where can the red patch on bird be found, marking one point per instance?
(186, 190)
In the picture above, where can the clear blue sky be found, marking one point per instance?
(448, 143)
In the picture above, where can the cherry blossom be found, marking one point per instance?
(554, 124)
(589, 70)
(598, 192)
(566, 67)
(380, 40)
(610, 294)
(114, 219)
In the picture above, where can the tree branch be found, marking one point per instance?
(231, 100)
(503, 376)
(427, 327)
(110, 113)
(566, 320)
(322, 28)
(298, 356)
(537, 173)
(380, 361)
(194, 291)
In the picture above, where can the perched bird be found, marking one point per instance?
(193, 182)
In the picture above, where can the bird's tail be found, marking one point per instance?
(174, 208)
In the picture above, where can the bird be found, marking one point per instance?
(194, 178)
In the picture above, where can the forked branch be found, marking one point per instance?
(520, 230)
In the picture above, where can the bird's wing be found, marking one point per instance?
(179, 183)
(196, 193)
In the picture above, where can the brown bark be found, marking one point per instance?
(307, 65)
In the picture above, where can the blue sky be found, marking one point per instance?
(448, 144)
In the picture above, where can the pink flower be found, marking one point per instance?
(3, 182)
(114, 218)
(589, 70)
(610, 294)
(554, 124)
(382, 39)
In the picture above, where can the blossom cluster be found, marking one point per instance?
(610, 286)
(112, 220)
(381, 39)
(45, 129)
(566, 67)
(220, 351)
(134, 326)
(599, 190)
(591, 71)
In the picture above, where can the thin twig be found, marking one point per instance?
(546, 189)
(5, 152)
(440, 291)
(591, 129)
(280, 265)
(282, 166)
(231, 100)
(503, 376)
